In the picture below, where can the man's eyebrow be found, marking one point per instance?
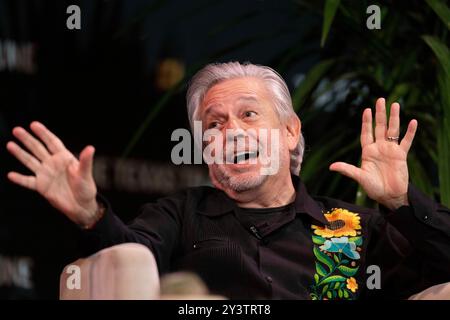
(210, 109)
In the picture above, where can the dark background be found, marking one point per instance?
(101, 85)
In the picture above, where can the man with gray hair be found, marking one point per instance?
(257, 235)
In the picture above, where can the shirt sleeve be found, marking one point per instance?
(157, 226)
(412, 245)
(426, 225)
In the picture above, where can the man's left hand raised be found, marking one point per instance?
(384, 171)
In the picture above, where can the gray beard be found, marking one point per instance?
(239, 184)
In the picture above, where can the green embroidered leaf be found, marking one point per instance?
(318, 240)
(335, 257)
(347, 271)
(325, 288)
(345, 261)
(316, 278)
(320, 269)
(356, 240)
(340, 293)
(334, 278)
(329, 295)
(345, 294)
(334, 294)
(322, 257)
(337, 285)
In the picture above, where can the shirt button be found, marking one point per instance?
(269, 279)
(195, 246)
(425, 218)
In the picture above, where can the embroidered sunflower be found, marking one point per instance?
(352, 284)
(341, 223)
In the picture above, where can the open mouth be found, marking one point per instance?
(243, 156)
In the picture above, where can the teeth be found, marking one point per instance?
(240, 157)
(243, 156)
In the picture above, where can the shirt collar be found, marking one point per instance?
(304, 203)
(217, 203)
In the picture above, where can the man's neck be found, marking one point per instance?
(273, 193)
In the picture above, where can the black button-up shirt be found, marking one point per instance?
(314, 248)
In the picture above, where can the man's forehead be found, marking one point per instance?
(214, 106)
(248, 98)
(240, 98)
(247, 90)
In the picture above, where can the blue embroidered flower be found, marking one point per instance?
(341, 245)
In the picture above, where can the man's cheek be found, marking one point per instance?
(213, 151)
(270, 157)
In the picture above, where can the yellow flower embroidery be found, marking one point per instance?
(352, 284)
(341, 223)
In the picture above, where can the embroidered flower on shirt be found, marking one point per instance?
(341, 222)
(337, 256)
(352, 285)
(341, 245)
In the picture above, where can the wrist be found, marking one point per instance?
(394, 203)
(95, 214)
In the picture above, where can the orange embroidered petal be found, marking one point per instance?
(341, 223)
(352, 285)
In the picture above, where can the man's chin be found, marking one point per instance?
(240, 168)
(242, 181)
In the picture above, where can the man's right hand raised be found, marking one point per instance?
(65, 181)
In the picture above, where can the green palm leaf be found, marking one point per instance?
(441, 9)
(329, 12)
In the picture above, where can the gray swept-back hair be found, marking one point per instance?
(214, 73)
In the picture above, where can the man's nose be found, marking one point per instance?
(235, 132)
(234, 124)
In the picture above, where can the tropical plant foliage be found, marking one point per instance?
(407, 60)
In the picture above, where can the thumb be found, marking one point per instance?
(86, 161)
(347, 170)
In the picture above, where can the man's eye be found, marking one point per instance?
(250, 113)
(213, 124)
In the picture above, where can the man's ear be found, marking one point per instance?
(293, 127)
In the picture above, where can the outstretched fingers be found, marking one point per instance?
(380, 120)
(409, 136)
(53, 143)
(347, 170)
(33, 145)
(394, 121)
(366, 128)
(27, 159)
(87, 161)
(28, 182)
